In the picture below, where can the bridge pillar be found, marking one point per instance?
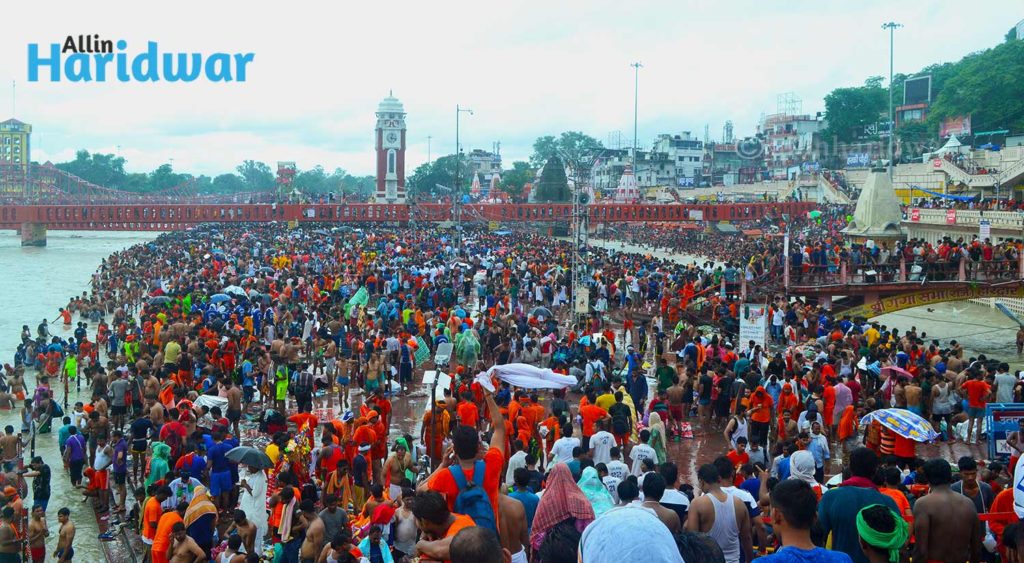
(903, 267)
(842, 273)
(33, 234)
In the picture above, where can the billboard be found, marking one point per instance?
(958, 125)
(858, 160)
(1003, 419)
(753, 323)
(695, 214)
(685, 182)
(917, 90)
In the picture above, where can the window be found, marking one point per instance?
(17, 140)
(391, 162)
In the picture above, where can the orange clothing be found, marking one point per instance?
(761, 406)
(901, 503)
(591, 414)
(150, 515)
(162, 540)
(469, 415)
(444, 483)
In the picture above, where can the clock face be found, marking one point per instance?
(392, 137)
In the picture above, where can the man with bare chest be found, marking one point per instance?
(234, 409)
(946, 524)
(184, 549)
(513, 530)
(314, 540)
(246, 530)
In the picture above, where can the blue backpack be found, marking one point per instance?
(473, 500)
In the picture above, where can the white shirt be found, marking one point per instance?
(601, 444)
(562, 449)
(612, 484)
(743, 495)
(517, 460)
(638, 454)
(618, 469)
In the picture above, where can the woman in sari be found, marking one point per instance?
(159, 463)
(592, 486)
(201, 519)
(562, 501)
(657, 441)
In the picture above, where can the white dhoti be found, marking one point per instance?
(254, 504)
(519, 557)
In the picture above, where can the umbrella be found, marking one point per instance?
(266, 270)
(159, 300)
(814, 214)
(888, 370)
(541, 312)
(233, 290)
(219, 298)
(249, 456)
(903, 423)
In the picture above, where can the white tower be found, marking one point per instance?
(390, 144)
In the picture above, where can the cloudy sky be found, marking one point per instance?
(526, 69)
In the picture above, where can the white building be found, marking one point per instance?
(789, 141)
(685, 152)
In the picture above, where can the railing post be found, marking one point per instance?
(962, 275)
(842, 272)
(903, 267)
(743, 289)
(1020, 263)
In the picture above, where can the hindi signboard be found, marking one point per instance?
(753, 323)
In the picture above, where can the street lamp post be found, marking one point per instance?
(636, 105)
(456, 187)
(892, 27)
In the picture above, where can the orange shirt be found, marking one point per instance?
(901, 503)
(162, 539)
(591, 414)
(761, 398)
(444, 483)
(469, 415)
(309, 420)
(150, 515)
(977, 390)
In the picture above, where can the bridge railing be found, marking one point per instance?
(899, 270)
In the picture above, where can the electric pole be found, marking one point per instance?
(892, 27)
(636, 106)
(456, 186)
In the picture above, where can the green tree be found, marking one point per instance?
(313, 180)
(256, 175)
(512, 181)
(1011, 35)
(164, 177)
(850, 109)
(104, 170)
(987, 86)
(553, 186)
(441, 171)
(572, 146)
(228, 183)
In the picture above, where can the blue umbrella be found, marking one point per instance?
(903, 423)
(219, 298)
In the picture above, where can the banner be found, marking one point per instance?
(984, 229)
(930, 297)
(951, 216)
(695, 214)
(959, 125)
(915, 214)
(1003, 418)
(685, 182)
(753, 324)
(858, 160)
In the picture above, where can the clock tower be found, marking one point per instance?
(390, 142)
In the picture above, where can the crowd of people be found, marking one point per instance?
(256, 392)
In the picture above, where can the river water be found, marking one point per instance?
(39, 280)
(36, 281)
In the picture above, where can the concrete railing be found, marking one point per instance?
(970, 217)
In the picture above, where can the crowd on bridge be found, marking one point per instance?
(256, 391)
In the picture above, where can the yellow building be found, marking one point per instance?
(14, 145)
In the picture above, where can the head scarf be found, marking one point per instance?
(892, 541)
(801, 466)
(595, 491)
(628, 533)
(562, 499)
(200, 506)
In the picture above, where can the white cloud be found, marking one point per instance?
(528, 69)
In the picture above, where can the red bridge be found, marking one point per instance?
(32, 220)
